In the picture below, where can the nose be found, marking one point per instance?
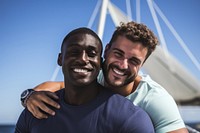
(84, 57)
(124, 64)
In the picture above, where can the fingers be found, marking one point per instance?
(47, 99)
(51, 101)
(37, 112)
(38, 104)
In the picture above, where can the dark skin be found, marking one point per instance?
(80, 60)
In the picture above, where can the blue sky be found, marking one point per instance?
(31, 32)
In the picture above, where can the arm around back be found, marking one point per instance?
(37, 103)
(49, 86)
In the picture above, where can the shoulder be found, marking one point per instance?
(159, 105)
(154, 96)
(150, 86)
(126, 107)
(25, 114)
(129, 115)
(24, 121)
(139, 118)
(148, 91)
(118, 102)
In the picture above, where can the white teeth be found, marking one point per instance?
(118, 72)
(80, 70)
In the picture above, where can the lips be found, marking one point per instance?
(81, 70)
(118, 72)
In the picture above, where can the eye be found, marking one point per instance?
(135, 61)
(92, 53)
(74, 52)
(118, 54)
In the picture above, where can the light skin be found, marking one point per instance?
(123, 60)
(121, 67)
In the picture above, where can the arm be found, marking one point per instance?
(50, 86)
(42, 97)
(182, 130)
(167, 118)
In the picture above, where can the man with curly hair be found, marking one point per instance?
(130, 46)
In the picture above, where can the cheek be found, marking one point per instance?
(96, 62)
(135, 69)
(110, 59)
(108, 55)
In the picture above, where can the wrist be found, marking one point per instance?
(25, 95)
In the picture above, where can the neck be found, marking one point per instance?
(77, 95)
(127, 89)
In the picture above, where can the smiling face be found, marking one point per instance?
(123, 59)
(80, 59)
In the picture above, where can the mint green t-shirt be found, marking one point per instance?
(157, 102)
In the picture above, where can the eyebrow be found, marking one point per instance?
(119, 50)
(76, 45)
(93, 48)
(133, 57)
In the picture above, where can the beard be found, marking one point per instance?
(115, 81)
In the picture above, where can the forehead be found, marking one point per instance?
(83, 40)
(129, 48)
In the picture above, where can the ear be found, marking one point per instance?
(106, 50)
(59, 60)
(101, 59)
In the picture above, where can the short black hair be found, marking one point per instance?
(82, 30)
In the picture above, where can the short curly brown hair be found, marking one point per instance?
(136, 32)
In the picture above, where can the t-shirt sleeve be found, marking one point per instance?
(164, 113)
(138, 122)
(21, 126)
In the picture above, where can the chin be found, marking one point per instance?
(116, 84)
